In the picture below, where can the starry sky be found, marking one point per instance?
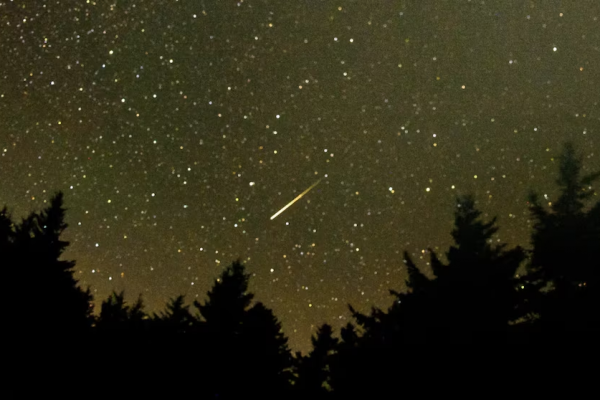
(178, 128)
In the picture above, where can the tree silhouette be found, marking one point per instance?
(9, 289)
(177, 317)
(32, 253)
(470, 300)
(344, 376)
(313, 370)
(475, 291)
(117, 315)
(266, 347)
(7, 234)
(238, 347)
(563, 280)
(245, 350)
(120, 330)
(46, 315)
(471, 297)
(227, 302)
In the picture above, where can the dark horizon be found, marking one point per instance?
(176, 130)
(472, 296)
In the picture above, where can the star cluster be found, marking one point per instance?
(178, 128)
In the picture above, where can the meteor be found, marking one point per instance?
(296, 199)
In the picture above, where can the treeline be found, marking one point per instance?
(231, 347)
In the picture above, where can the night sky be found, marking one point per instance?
(177, 129)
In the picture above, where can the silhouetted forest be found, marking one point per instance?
(231, 346)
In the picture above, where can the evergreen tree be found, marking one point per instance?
(177, 318)
(470, 299)
(35, 248)
(245, 350)
(121, 329)
(558, 232)
(72, 305)
(9, 289)
(475, 291)
(563, 280)
(266, 347)
(472, 295)
(349, 336)
(117, 315)
(227, 302)
(46, 315)
(7, 234)
(343, 372)
(313, 379)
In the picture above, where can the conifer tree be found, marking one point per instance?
(7, 234)
(245, 351)
(177, 317)
(313, 379)
(563, 280)
(227, 301)
(265, 345)
(35, 261)
(470, 298)
(476, 289)
(472, 295)
(345, 369)
(117, 315)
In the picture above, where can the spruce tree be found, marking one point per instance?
(117, 315)
(177, 317)
(35, 261)
(313, 379)
(266, 347)
(227, 302)
(563, 280)
(475, 290)
(471, 296)
(245, 351)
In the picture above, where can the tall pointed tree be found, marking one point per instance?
(227, 301)
(245, 350)
(177, 317)
(7, 234)
(343, 371)
(476, 289)
(313, 370)
(117, 315)
(266, 347)
(12, 277)
(470, 299)
(473, 293)
(36, 262)
(565, 259)
(558, 231)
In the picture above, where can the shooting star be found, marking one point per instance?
(297, 198)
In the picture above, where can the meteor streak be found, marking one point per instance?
(296, 199)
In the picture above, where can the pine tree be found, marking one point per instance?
(470, 297)
(117, 315)
(558, 232)
(35, 263)
(227, 302)
(46, 315)
(8, 287)
(177, 317)
(7, 234)
(313, 380)
(345, 365)
(245, 350)
(476, 289)
(265, 344)
(563, 280)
